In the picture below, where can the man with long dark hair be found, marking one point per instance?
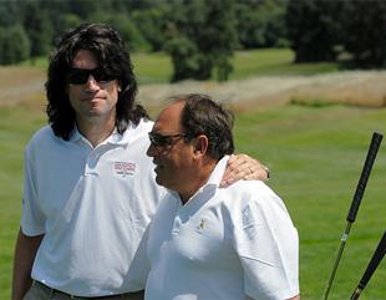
(89, 189)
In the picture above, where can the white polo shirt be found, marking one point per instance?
(224, 243)
(93, 205)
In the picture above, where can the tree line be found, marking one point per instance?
(201, 35)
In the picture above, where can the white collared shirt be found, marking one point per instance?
(93, 206)
(224, 243)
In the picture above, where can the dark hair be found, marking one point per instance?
(201, 115)
(109, 49)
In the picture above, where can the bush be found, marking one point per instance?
(14, 45)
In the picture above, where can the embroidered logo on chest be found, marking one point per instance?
(202, 224)
(124, 168)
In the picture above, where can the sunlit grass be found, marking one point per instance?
(158, 68)
(316, 155)
(263, 62)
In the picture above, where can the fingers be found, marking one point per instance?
(244, 167)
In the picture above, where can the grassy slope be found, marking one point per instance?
(157, 68)
(316, 155)
(16, 126)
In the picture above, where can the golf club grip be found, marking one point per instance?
(371, 154)
(374, 262)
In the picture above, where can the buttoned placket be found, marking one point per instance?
(92, 155)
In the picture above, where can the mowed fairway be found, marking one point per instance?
(316, 154)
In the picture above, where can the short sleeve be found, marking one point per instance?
(267, 244)
(33, 220)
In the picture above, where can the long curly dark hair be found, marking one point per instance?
(109, 49)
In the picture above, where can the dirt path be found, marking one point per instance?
(366, 88)
(358, 88)
(20, 85)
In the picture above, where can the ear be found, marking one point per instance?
(200, 145)
(119, 88)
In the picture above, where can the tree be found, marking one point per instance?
(202, 39)
(125, 26)
(39, 29)
(151, 23)
(185, 58)
(261, 23)
(14, 45)
(364, 27)
(314, 29)
(10, 14)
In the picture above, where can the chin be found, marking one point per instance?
(159, 181)
(163, 183)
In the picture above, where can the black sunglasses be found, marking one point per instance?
(160, 140)
(80, 76)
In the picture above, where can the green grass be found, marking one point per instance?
(315, 154)
(157, 67)
(16, 127)
(152, 68)
(263, 62)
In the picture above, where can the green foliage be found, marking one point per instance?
(205, 32)
(38, 27)
(320, 30)
(10, 14)
(67, 21)
(261, 24)
(314, 29)
(364, 38)
(125, 26)
(186, 59)
(14, 45)
(152, 24)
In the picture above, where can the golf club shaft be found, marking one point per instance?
(358, 195)
(337, 260)
(372, 266)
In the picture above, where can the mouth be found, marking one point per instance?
(158, 167)
(91, 99)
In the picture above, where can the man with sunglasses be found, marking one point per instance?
(207, 242)
(89, 189)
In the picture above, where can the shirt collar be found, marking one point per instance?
(213, 180)
(115, 138)
(218, 172)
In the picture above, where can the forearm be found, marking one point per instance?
(25, 252)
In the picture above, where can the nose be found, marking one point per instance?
(151, 151)
(91, 84)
